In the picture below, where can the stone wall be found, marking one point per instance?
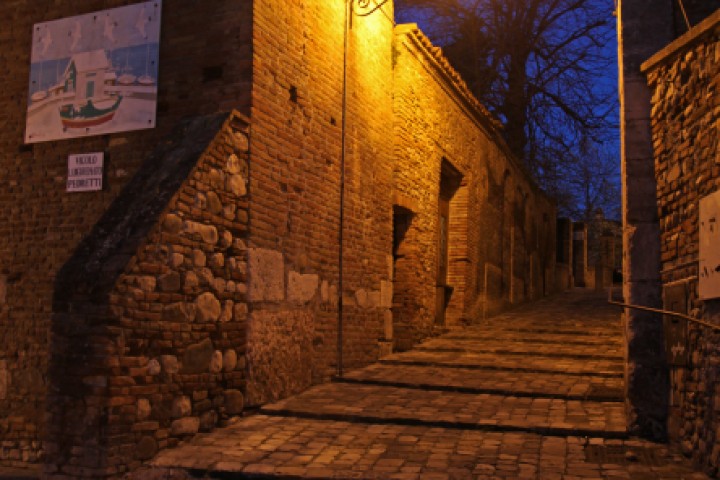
(148, 330)
(685, 82)
(501, 242)
(41, 223)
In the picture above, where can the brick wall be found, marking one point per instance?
(193, 276)
(684, 78)
(41, 223)
(502, 228)
(295, 179)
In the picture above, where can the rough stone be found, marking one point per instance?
(185, 426)
(173, 224)
(181, 407)
(169, 364)
(176, 260)
(229, 360)
(179, 312)
(153, 367)
(208, 308)
(216, 362)
(302, 287)
(236, 185)
(217, 260)
(143, 409)
(209, 234)
(197, 357)
(169, 282)
(227, 311)
(267, 275)
(234, 402)
(147, 283)
(214, 204)
(198, 258)
(240, 311)
(191, 282)
(208, 420)
(146, 448)
(226, 239)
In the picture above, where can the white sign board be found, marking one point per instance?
(709, 275)
(85, 172)
(94, 74)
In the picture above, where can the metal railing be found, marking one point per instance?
(664, 312)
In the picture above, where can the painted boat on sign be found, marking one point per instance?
(89, 115)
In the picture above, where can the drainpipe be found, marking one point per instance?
(343, 133)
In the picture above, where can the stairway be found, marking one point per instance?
(535, 393)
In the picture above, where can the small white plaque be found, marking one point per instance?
(709, 284)
(85, 172)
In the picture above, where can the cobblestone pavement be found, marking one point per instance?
(535, 393)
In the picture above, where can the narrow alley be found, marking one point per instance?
(536, 392)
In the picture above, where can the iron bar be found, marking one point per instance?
(663, 312)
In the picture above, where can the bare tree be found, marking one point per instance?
(536, 64)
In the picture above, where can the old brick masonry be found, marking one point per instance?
(204, 278)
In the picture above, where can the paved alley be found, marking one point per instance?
(533, 393)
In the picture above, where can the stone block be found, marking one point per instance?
(169, 363)
(236, 185)
(302, 287)
(214, 205)
(198, 258)
(208, 308)
(179, 312)
(229, 361)
(153, 367)
(146, 448)
(143, 409)
(216, 362)
(208, 420)
(181, 407)
(169, 282)
(197, 357)
(234, 402)
(185, 426)
(361, 298)
(267, 275)
(386, 294)
(172, 224)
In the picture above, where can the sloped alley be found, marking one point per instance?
(532, 393)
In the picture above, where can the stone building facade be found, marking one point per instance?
(684, 78)
(319, 189)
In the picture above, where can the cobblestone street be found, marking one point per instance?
(533, 393)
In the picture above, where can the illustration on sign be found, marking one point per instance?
(709, 277)
(94, 74)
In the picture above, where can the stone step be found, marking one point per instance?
(262, 446)
(532, 336)
(524, 348)
(533, 363)
(495, 382)
(405, 406)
